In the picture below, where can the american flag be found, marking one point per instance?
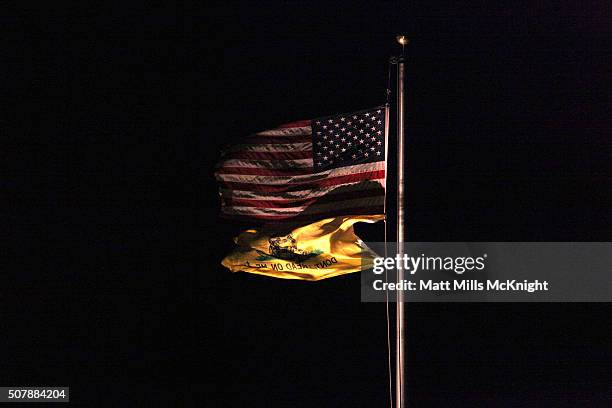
(329, 166)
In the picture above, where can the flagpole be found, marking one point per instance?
(400, 333)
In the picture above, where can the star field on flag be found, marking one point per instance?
(345, 140)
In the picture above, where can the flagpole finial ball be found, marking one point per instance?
(402, 39)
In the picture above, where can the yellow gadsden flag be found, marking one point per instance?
(312, 252)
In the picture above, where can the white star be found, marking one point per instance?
(325, 158)
(349, 133)
(343, 119)
(343, 129)
(325, 137)
(378, 111)
(330, 121)
(325, 147)
(367, 135)
(349, 123)
(331, 152)
(373, 139)
(361, 141)
(343, 139)
(349, 144)
(379, 142)
(318, 122)
(318, 153)
(360, 130)
(337, 125)
(355, 117)
(373, 128)
(367, 114)
(360, 120)
(318, 133)
(343, 149)
(354, 156)
(379, 132)
(379, 122)
(372, 148)
(378, 153)
(324, 126)
(366, 154)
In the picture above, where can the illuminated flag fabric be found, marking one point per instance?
(308, 170)
(316, 251)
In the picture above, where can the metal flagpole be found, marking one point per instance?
(400, 333)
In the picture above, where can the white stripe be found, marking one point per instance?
(268, 164)
(270, 147)
(296, 131)
(341, 171)
(292, 195)
(312, 209)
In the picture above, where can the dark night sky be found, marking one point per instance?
(111, 207)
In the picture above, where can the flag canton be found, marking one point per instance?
(349, 139)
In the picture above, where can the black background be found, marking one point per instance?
(112, 124)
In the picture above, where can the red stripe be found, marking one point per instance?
(257, 139)
(256, 171)
(299, 123)
(295, 155)
(370, 210)
(328, 182)
(300, 202)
